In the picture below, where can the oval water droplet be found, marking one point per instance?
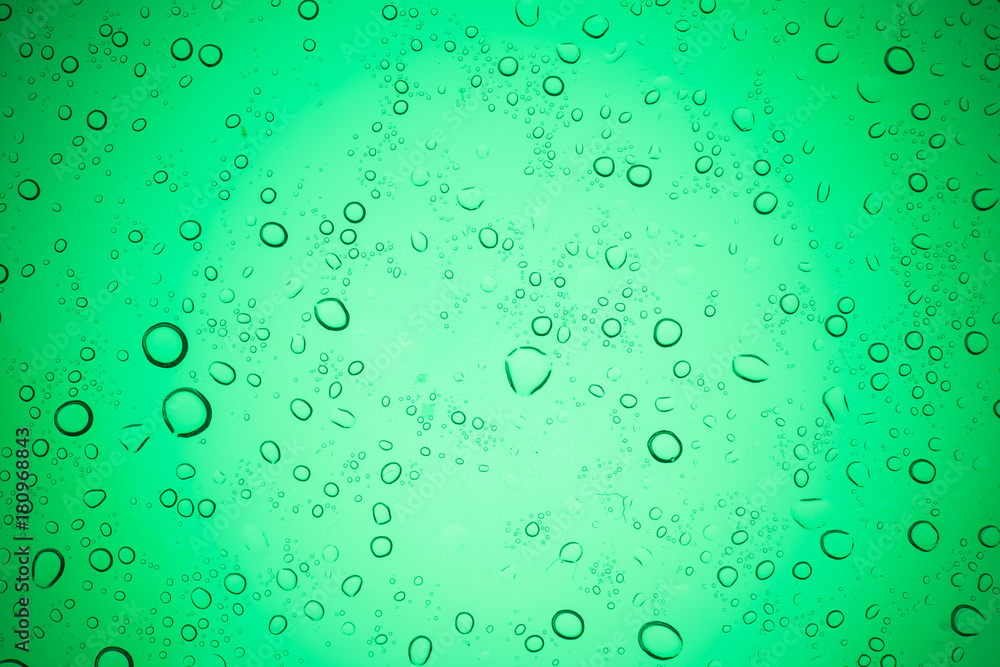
(660, 640)
(898, 60)
(419, 241)
(464, 622)
(222, 372)
(331, 313)
(967, 621)
(743, 119)
(567, 624)
(837, 544)
(751, 368)
(94, 497)
(527, 12)
(419, 650)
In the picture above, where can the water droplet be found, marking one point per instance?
(827, 53)
(94, 497)
(301, 409)
(660, 640)
(837, 544)
(235, 583)
(186, 412)
(470, 198)
(277, 624)
(507, 66)
(331, 313)
(743, 119)
(113, 656)
(419, 650)
(313, 610)
(727, 576)
(29, 189)
(351, 585)
(639, 175)
(967, 621)
(528, 369)
(898, 60)
(871, 88)
(751, 368)
(553, 85)
(273, 235)
(381, 546)
(604, 166)
(664, 446)
(419, 241)
(47, 567)
(164, 345)
(568, 52)
(73, 418)
(464, 622)
(567, 624)
(858, 473)
(596, 26)
(984, 199)
(615, 256)
(667, 332)
(354, 212)
(765, 203)
(222, 372)
(811, 513)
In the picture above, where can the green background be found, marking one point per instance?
(806, 213)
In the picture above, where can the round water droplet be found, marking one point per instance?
(639, 175)
(354, 212)
(989, 536)
(765, 203)
(301, 409)
(113, 656)
(667, 332)
(827, 53)
(836, 544)
(528, 369)
(391, 472)
(660, 640)
(898, 60)
(568, 52)
(381, 546)
(789, 303)
(273, 235)
(922, 471)
(664, 446)
(235, 583)
(836, 325)
(313, 610)
(567, 624)
(611, 327)
(507, 66)
(923, 535)
(727, 576)
(604, 166)
(181, 49)
(73, 418)
(164, 345)
(331, 313)
(751, 368)
(210, 55)
(186, 412)
(541, 325)
(764, 569)
(28, 189)
(553, 85)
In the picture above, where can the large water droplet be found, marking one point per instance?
(47, 567)
(186, 412)
(567, 624)
(836, 544)
(923, 535)
(164, 344)
(331, 313)
(73, 418)
(528, 369)
(751, 368)
(660, 640)
(743, 119)
(419, 651)
(664, 446)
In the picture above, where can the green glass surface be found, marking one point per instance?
(537, 332)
